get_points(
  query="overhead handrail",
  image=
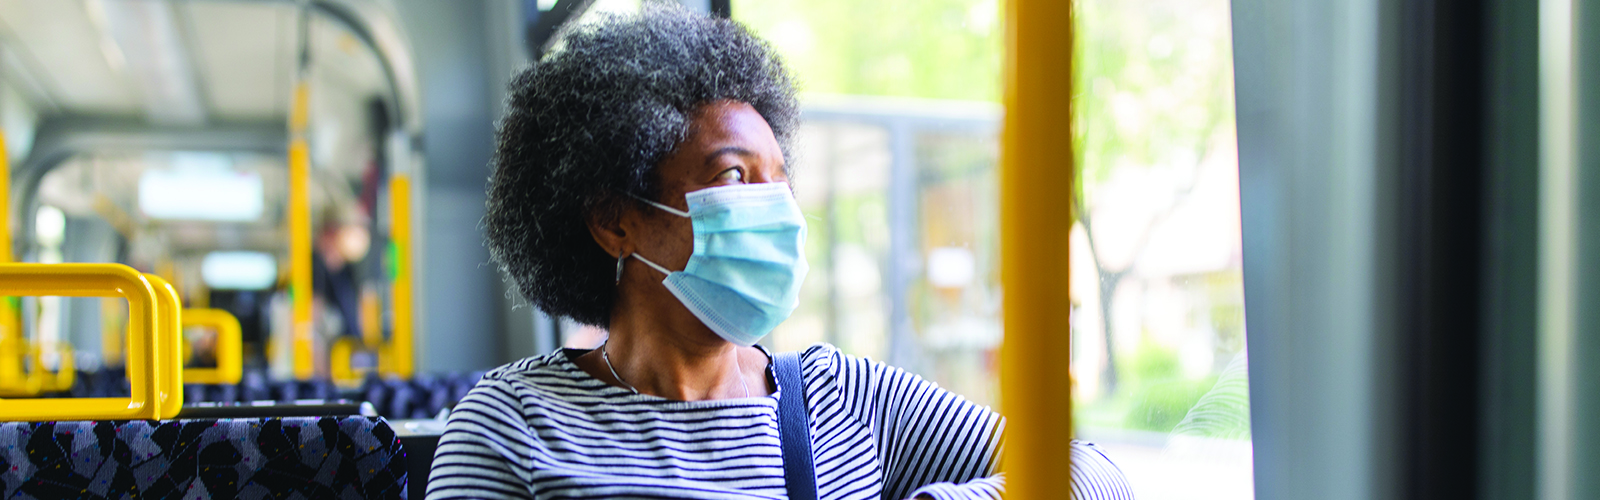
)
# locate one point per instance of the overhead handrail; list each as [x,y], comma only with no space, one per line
[149,384]
[229,347]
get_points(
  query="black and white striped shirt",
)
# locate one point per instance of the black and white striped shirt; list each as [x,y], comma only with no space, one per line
[544,428]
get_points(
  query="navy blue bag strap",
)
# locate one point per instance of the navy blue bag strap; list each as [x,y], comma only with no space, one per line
[794,429]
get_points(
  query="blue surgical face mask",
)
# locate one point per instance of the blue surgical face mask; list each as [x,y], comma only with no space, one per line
[743,278]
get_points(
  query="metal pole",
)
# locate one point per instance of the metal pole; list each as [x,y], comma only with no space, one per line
[904,251]
[300,209]
[1036,186]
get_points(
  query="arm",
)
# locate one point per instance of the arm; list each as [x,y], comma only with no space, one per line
[932,443]
[484,447]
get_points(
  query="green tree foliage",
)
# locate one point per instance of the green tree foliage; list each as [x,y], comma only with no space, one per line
[1155,84]
[936,49]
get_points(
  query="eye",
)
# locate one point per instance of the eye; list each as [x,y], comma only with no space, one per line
[731,175]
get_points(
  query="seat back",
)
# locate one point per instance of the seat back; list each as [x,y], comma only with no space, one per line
[318,457]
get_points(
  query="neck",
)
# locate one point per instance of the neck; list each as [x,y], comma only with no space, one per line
[680,360]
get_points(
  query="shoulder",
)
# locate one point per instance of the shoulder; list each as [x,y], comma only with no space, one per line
[823,360]
[819,358]
[854,382]
[546,376]
[1094,475]
[853,372]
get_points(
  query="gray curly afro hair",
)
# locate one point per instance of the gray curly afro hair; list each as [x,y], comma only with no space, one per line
[587,125]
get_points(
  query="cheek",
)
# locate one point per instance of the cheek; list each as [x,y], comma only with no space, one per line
[672,241]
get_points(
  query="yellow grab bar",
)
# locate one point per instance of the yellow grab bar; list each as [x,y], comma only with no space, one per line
[146,341]
[5,201]
[1036,189]
[12,345]
[300,234]
[112,329]
[14,349]
[169,315]
[229,347]
[396,357]
[339,368]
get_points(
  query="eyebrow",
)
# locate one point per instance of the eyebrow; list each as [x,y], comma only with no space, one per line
[728,150]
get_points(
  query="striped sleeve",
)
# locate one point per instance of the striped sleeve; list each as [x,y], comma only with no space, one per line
[476,457]
[1095,477]
[931,442]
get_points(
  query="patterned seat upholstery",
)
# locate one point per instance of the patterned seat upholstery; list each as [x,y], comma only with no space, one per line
[310,457]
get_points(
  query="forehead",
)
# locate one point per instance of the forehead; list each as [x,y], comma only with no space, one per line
[730,123]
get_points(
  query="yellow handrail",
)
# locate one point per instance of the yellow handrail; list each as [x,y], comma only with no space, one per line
[169,315]
[229,347]
[12,344]
[396,357]
[5,201]
[146,341]
[1036,190]
[112,331]
[300,233]
[339,368]
[14,380]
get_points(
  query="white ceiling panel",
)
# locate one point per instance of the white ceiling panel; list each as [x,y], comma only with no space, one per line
[158,60]
[344,62]
[72,57]
[246,56]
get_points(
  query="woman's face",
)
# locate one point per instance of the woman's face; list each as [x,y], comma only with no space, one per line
[728,143]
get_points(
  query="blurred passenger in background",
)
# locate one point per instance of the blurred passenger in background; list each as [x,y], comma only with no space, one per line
[342,243]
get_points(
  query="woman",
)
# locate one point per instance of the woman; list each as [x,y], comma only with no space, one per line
[641,184]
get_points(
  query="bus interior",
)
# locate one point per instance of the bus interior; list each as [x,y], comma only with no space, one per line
[1249,249]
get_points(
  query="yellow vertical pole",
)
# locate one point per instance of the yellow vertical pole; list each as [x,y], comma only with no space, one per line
[113,328]
[300,231]
[400,350]
[1036,189]
[12,349]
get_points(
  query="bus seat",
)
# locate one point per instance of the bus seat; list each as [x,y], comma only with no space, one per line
[318,457]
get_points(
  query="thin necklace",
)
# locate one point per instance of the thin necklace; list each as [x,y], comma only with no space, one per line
[607,357]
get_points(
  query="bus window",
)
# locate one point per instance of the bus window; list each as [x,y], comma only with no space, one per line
[1158,310]
[896,169]
[896,166]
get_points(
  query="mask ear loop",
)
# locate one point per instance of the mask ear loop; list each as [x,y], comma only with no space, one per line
[651,264]
[669,210]
[647,262]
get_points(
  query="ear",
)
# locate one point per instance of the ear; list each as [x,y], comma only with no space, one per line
[610,231]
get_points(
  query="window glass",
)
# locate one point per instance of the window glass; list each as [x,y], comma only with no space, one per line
[896,169]
[1158,349]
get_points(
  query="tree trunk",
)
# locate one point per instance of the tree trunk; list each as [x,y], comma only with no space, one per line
[1109,281]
